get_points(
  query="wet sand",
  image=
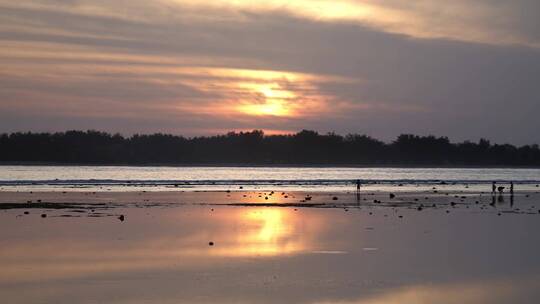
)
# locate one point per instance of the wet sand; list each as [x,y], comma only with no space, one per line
[237,247]
[523,202]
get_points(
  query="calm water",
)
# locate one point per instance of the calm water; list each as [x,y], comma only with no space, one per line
[270,255]
[117,178]
[472,252]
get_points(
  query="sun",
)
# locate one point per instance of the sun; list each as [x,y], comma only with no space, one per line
[272,100]
[273,108]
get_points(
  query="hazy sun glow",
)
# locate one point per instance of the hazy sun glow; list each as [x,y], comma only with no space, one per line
[266,232]
[273,108]
[271,99]
[261,92]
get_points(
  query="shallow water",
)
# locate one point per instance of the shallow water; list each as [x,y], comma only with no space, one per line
[270,255]
[118,178]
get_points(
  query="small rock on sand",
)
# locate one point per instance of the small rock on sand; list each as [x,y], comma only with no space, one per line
[122,218]
[210,243]
[43,215]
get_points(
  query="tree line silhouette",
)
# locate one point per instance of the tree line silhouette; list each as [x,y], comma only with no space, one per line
[256,148]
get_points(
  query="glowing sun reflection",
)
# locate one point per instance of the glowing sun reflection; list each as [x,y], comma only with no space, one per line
[266,232]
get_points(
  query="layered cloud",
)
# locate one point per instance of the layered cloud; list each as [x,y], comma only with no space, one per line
[464,69]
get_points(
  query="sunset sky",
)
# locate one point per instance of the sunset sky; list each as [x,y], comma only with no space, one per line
[463,69]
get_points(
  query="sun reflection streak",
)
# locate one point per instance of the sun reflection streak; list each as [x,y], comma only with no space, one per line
[268,232]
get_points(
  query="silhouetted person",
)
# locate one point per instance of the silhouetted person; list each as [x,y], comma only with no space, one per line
[511,188]
[500,189]
[357,185]
[493,187]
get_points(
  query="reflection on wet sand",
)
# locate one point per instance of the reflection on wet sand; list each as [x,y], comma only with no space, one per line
[493,292]
[266,232]
[269,255]
[181,239]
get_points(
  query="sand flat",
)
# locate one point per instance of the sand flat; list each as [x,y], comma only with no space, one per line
[338,251]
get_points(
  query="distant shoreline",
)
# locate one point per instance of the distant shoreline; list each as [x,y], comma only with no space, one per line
[257,165]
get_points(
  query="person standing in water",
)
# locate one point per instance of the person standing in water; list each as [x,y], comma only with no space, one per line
[511,188]
[358,192]
[493,187]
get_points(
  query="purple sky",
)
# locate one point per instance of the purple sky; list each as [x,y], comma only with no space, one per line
[463,69]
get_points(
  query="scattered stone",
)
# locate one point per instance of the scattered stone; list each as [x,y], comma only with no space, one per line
[335,198]
[210,243]
[392,195]
[26,212]
[43,215]
[122,218]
